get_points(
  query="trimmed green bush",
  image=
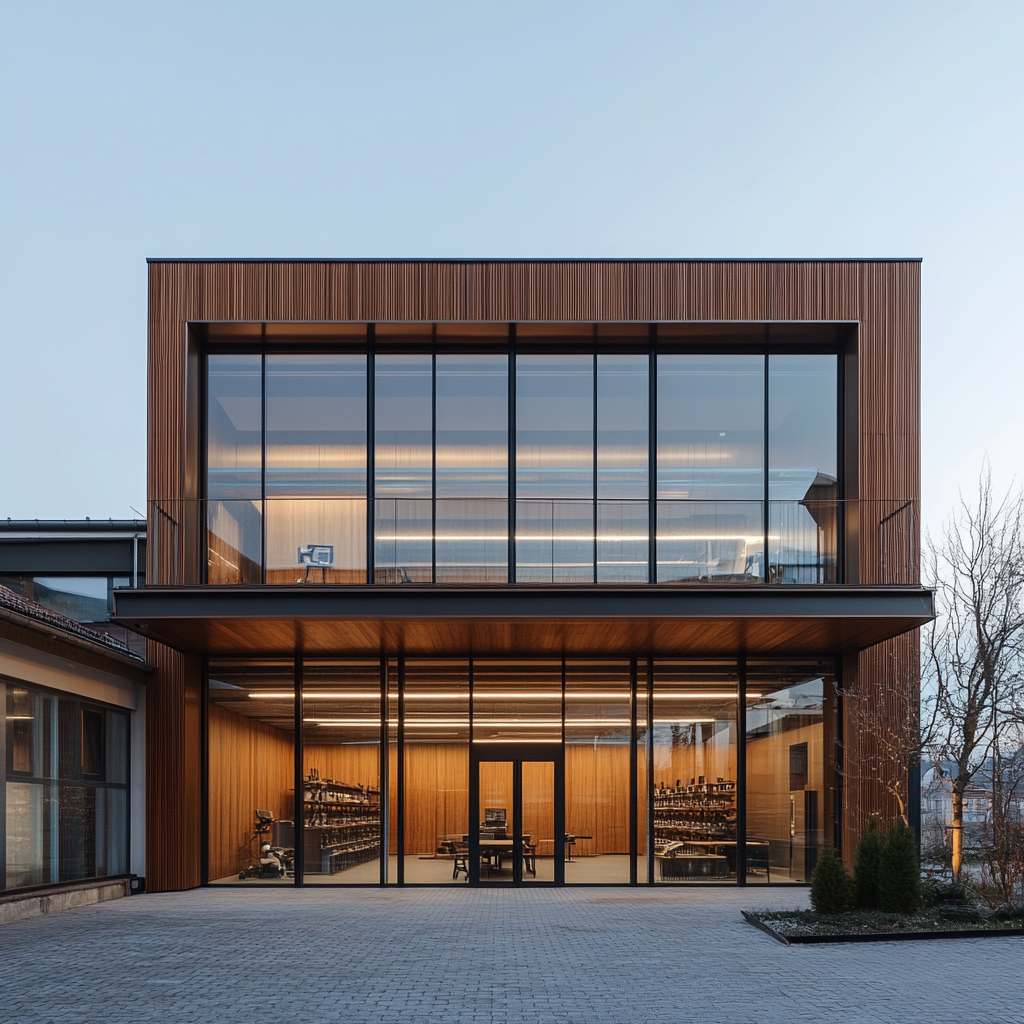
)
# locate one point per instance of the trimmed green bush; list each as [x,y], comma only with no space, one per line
[899,875]
[866,867]
[831,885]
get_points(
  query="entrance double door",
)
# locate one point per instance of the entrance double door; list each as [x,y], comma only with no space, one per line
[517,815]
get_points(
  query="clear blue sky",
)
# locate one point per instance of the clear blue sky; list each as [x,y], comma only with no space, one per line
[523,129]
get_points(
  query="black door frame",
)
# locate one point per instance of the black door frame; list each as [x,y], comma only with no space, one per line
[516,753]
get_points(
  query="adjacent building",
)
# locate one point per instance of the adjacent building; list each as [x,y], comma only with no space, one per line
[525,572]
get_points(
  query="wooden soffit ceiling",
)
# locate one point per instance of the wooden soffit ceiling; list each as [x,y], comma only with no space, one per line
[522,621]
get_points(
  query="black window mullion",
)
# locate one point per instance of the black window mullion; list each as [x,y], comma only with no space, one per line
[652,457]
[263,453]
[400,768]
[433,460]
[741,776]
[511,453]
[594,467]
[650,771]
[384,795]
[204,778]
[766,507]
[371,387]
[633,780]
[299,826]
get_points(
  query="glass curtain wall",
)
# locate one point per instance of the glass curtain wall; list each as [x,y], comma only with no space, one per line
[403,468]
[623,456]
[66,788]
[695,771]
[250,728]
[471,403]
[234,468]
[746,455]
[790,745]
[554,468]
[436,772]
[341,772]
[597,772]
[803,416]
[316,469]
[690,785]
[711,456]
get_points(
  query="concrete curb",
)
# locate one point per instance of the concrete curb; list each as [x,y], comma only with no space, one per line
[22,906]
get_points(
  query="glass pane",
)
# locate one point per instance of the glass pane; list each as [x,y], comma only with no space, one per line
[472,426]
[597,772]
[403,437]
[695,711]
[436,772]
[234,426]
[82,598]
[402,543]
[341,772]
[32,832]
[790,781]
[622,427]
[554,541]
[517,702]
[803,444]
[711,427]
[539,837]
[316,540]
[554,426]
[251,729]
[710,541]
[802,474]
[316,426]
[623,529]
[495,817]
[234,542]
[472,540]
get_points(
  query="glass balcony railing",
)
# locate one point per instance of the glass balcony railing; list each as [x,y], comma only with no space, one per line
[288,541]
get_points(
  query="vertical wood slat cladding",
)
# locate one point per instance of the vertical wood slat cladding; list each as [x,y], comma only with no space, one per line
[883,296]
[172,770]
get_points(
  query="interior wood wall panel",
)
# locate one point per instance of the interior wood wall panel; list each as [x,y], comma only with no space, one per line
[251,765]
[173,695]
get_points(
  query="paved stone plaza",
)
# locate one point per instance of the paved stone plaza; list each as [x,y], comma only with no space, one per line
[439,955]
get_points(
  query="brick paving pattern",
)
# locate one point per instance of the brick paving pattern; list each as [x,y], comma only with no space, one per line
[455,955]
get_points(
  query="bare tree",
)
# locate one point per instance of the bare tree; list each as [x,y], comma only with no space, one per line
[972,651]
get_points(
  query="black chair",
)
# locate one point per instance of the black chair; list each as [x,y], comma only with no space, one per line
[759,856]
[460,859]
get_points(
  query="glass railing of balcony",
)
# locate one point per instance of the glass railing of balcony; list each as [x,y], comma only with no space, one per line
[289,541]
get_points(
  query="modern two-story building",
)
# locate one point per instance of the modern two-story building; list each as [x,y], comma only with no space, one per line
[519,572]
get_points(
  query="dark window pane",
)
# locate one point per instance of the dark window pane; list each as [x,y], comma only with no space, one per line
[403,430]
[93,753]
[234,426]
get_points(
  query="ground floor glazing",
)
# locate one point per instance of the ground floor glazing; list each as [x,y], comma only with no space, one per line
[519,772]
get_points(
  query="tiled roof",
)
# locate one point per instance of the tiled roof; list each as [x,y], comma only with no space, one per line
[16,603]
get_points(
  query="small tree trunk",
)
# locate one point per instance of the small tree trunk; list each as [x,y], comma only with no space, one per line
[958,831]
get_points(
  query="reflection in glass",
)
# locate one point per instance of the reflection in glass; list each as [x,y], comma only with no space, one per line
[436,772]
[66,789]
[597,772]
[234,462]
[403,431]
[622,541]
[554,426]
[802,471]
[695,811]
[250,730]
[711,427]
[554,541]
[341,772]
[710,541]
[402,545]
[790,784]
[471,542]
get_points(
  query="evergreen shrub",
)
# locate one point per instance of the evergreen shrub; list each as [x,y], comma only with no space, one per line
[866,867]
[899,875]
[832,889]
